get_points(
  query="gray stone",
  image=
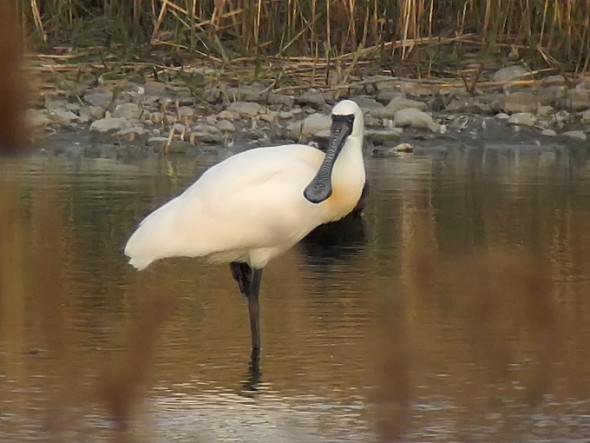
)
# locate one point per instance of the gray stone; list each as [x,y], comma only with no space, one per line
[576,99]
[585,117]
[246,93]
[459,104]
[385,96]
[99,97]
[157,143]
[520,102]
[502,116]
[415,118]
[417,89]
[131,133]
[545,110]
[284,115]
[310,126]
[156,117]
[211,120]
[460,122]
[474,105]
[90,113]
[548,132]
[152,87]
[62,115]
[127,111]
[179,91]
[367,104]
[179,129]
[269,116]
[522,119]
[248,109]
[202,127]
[185,114]
[584,81]
[37,118]
[371,121]
[311,98]
[383,82]
[213,95]
[403,148]
[109,124]
[509,73]
[206,138]
[397,104]
[550,94]
[562,118]
[576,135]
[383,135]
[227,115]
[180,147]
[226,126]
[281,99]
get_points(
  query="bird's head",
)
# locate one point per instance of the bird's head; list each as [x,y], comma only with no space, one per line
[347,115]
[347,122]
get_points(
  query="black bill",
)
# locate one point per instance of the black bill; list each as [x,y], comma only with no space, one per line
[320,188]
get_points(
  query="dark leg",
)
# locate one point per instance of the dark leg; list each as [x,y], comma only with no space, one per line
[249,283]
[254,308]
[241,273]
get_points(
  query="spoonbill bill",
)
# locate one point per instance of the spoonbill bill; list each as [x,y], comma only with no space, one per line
[257,204]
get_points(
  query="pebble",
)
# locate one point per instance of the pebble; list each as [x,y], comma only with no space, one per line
[127,111]
[62,115]
[109,124]
[509,73]
[226,126]
[520,102]
[311,125]
[416,119]
[548,132]
[37,118]
[576,135]
[185,114]
[384,135]
[101,98]
[311,98]
[248,109]
[522,119]
[396,104]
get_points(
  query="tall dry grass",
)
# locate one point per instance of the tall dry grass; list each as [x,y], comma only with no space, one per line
[314,28]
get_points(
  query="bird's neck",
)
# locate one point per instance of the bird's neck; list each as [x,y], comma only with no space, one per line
[349,166]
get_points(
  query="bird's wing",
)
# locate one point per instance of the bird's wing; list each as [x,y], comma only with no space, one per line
[252,200]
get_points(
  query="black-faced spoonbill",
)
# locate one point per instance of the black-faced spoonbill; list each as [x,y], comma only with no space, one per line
[257,204]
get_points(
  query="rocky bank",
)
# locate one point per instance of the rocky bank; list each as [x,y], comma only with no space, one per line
[154,117]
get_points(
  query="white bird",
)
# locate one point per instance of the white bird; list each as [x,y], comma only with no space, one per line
[257,204]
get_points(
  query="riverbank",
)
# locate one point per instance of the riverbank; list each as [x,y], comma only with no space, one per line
[201,110]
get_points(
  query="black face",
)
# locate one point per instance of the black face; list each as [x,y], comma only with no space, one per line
[320,187]
[340,122]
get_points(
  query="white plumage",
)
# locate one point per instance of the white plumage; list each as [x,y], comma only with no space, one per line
[251,207]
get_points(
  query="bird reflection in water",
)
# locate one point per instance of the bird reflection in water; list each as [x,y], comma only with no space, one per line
[338,239]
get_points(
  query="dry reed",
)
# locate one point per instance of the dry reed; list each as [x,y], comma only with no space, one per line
[316,28]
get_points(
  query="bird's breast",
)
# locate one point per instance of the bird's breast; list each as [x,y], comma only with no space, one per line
[342,201]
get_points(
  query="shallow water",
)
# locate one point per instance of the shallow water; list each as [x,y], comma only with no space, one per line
[456,309]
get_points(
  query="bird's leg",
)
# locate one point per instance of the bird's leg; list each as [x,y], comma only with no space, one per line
[241,273]
[254,308]
[249,283]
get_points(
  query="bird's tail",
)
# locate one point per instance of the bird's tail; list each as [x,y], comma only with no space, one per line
[154,237]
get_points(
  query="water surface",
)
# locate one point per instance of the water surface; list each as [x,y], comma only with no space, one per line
[456,309]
